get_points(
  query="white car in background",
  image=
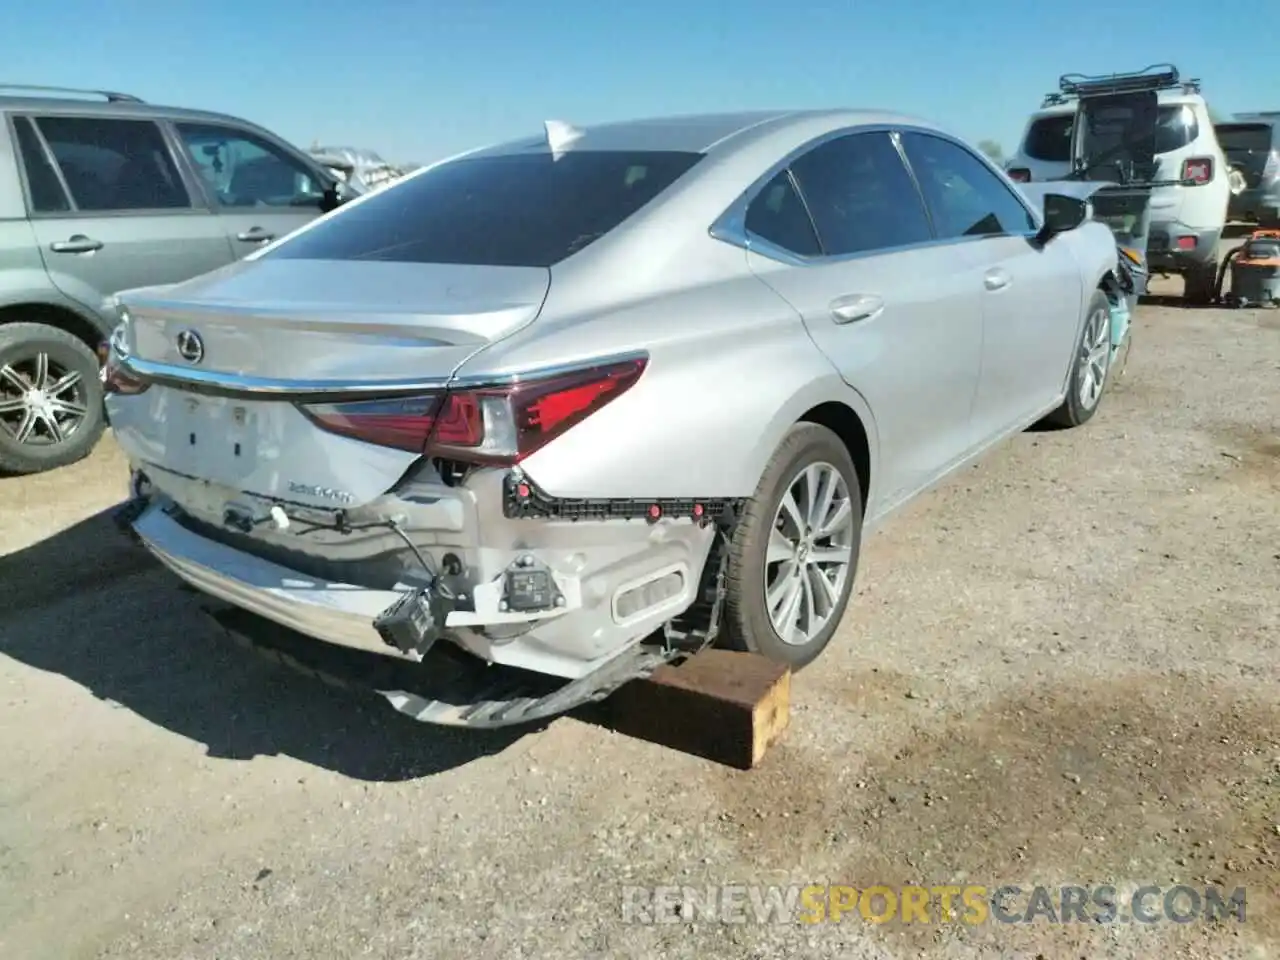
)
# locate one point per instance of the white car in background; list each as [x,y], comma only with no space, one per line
[1187,219]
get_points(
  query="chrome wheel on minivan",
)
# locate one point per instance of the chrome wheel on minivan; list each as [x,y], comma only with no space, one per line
[50,398]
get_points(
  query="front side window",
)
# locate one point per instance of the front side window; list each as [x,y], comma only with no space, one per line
[516,210]
[112,165]
[243,171]
[964,196]
[777,215]
[860,195]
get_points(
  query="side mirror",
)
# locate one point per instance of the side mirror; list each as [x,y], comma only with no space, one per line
[1061,214]
[334,196]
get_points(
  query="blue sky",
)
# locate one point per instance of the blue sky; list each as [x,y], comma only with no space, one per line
[420,80]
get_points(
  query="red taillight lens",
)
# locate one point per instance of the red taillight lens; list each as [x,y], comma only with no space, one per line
[119,380]
[1199,170]
[403,423]
[485,425]
[1019,174]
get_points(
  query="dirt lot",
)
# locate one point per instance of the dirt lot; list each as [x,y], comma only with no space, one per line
[1062,667]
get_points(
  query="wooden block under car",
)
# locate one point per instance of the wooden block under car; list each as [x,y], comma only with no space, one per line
[722,705]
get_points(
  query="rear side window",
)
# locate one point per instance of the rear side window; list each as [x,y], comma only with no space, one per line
[47,195]
[1176,126]
[777,215]
[113,165]
[1049,139]
[861,195]
[517,210]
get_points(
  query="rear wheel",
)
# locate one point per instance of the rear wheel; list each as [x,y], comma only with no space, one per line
[1200,282]
[50,398]
[795,553]
[1091,368]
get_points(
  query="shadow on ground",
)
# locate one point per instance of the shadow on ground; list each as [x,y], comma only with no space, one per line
[91,606]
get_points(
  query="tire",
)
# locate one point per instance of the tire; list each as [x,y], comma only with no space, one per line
[1093,361]
[808,452]
[28,440]
[1199,283]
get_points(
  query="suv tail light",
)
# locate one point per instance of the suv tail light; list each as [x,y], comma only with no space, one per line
[1199,170]
[1019,174]
[1273,164]
[496,425]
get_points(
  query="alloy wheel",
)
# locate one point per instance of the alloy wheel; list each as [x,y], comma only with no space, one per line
[42,403]
[809,554]
[1095,348]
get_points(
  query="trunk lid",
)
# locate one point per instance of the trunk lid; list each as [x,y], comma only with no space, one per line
[302,328]
[315,320]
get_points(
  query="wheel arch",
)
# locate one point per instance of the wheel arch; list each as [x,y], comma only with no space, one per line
[54,315]
[829,402]
[845,423]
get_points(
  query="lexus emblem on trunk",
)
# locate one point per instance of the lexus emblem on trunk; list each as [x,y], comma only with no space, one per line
[190,346]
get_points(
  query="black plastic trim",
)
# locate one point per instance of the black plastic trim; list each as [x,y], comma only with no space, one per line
[522,499]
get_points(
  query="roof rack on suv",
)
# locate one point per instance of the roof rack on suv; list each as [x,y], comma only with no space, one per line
[1159,76]
[110,95]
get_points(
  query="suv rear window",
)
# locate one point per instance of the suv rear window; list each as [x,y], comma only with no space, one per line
[1245,137]
[517,210]
[1049,139]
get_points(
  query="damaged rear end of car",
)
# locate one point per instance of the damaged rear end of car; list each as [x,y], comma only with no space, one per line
[315,441]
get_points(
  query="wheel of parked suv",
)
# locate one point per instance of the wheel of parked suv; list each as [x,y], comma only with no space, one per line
[1199,283]
[1091,367]
[795,553]
[50,398]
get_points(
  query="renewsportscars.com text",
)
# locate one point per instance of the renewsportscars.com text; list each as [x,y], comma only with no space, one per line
[969,904]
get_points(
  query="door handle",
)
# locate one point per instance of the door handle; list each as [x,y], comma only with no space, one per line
[78,243]
[255,235]
[857,307]
[996,279]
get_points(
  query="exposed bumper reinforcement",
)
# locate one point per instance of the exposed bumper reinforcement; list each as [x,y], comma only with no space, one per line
[449,687]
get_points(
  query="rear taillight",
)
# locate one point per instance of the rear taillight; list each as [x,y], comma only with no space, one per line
[120,380]
[1199,170]
[1273,164]
[1019,174]
[498,424]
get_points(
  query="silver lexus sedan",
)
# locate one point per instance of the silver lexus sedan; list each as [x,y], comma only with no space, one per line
[589,401]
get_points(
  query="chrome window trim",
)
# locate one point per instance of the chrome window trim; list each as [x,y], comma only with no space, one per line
[730,226]
[271,388]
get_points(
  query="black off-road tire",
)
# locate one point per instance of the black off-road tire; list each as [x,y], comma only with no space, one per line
[20,341]
[1073,413]
[746,625]
[1199,283]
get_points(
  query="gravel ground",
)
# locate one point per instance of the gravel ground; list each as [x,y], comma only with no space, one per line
[1060,668]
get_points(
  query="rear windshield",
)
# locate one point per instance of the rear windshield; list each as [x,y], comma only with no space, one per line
[516,210]
[1109,126]
[1245,137]
[1049,139]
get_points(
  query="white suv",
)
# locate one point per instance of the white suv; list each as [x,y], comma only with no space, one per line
[1186,219]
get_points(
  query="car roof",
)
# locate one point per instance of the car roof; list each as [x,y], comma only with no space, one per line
[125,109]
[703,133]
[1164,97]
